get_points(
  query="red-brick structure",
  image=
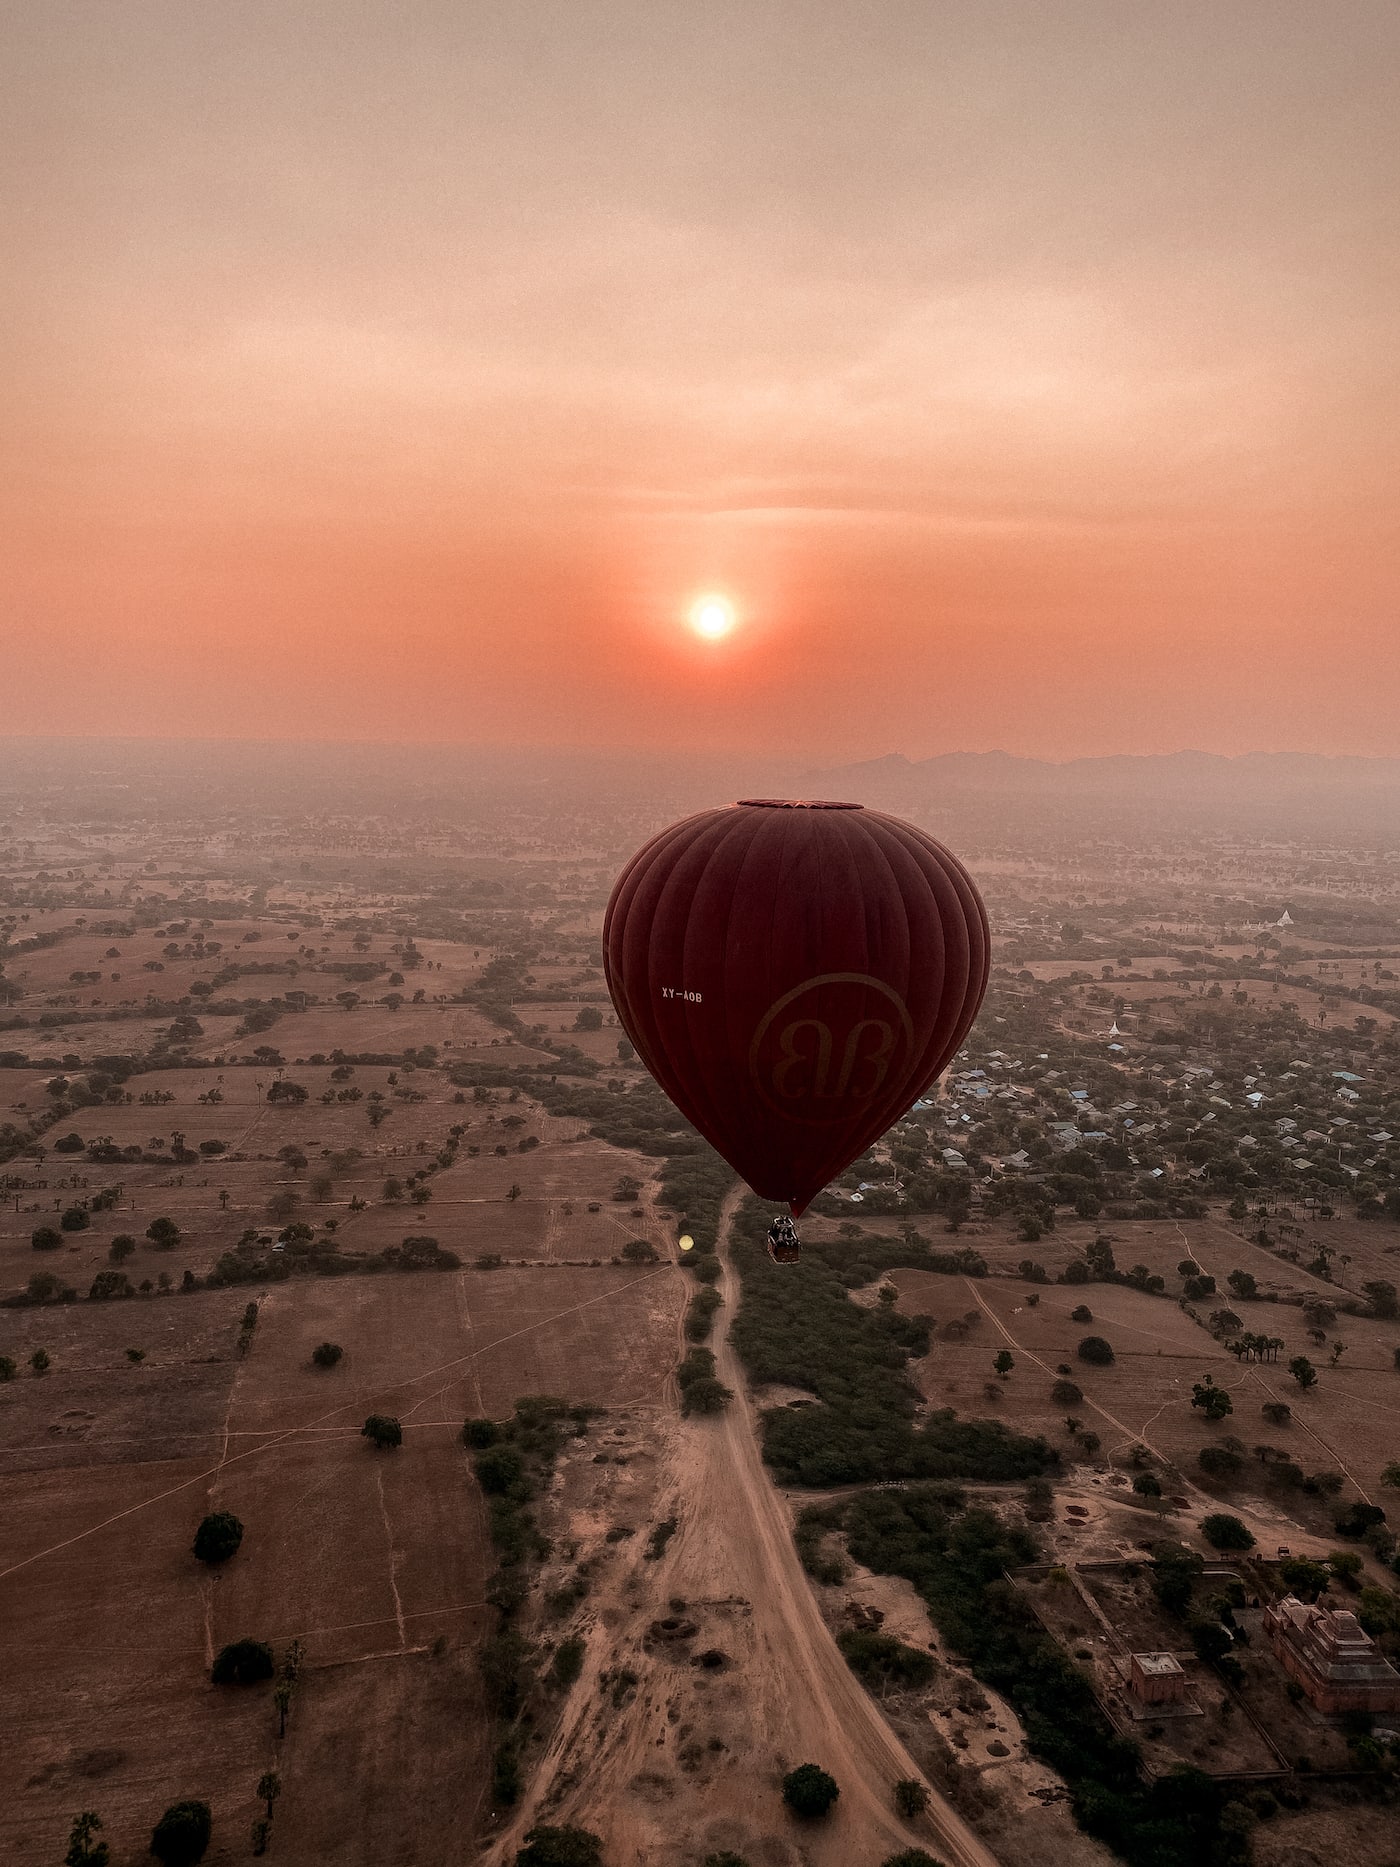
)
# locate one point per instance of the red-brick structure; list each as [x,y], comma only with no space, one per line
[1157,1678]
[1332,1657]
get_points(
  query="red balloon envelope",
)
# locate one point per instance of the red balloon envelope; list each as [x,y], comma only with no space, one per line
[794,975]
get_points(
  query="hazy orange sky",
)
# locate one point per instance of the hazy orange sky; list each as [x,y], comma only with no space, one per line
[1026,374]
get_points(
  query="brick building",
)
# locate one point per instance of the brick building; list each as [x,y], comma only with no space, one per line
[1331,1656]
[1157,1678]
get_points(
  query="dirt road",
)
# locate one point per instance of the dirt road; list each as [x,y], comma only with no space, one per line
[787,1698]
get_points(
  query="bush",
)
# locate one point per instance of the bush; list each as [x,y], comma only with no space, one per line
[809,1791]
[76,1219]
[1357,1519]
[1219,1461]
[639,1251]
[911,1797]
[121,1247]
[500,1471]
[164,1234]
[480,1433]
[1222,1531]
[705,1395]
[181,1836]
[382,1431]
[568,1661]
[560,1847]
[242,1662]
[1081,1313]
[218,1537]
[45,1238]
[109,1284]
[1095,1350]
[910,1857]
[1066,1394]
[327,1354]
[879,1660]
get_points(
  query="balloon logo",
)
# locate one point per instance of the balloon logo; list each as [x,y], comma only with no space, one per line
[795,976]
[817,1048]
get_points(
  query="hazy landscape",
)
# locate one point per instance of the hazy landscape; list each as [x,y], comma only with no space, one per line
[449,455]
[279,1076]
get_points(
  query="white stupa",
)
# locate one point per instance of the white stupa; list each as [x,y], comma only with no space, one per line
[1284,920]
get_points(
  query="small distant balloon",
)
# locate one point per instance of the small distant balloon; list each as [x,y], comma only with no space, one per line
[687,1242]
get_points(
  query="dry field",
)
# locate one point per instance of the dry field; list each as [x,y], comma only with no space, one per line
[375,1561]
[1349,1422]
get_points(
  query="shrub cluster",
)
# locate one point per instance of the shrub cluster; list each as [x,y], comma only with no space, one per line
[957,1557]
[805,1332]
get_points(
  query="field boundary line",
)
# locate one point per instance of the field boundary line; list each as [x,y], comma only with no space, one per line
[291,1432]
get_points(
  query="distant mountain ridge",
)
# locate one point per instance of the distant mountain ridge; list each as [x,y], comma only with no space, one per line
[1195,777]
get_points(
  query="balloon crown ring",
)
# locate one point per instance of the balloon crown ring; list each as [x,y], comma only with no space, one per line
[793,803]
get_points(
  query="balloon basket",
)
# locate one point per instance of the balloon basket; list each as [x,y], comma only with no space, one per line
[784,1246]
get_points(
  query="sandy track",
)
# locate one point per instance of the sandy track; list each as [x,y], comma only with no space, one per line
[790,1699]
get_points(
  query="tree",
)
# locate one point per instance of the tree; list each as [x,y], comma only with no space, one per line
[121,1247]
[1004,1363]
[705,1395]
[109,1284]
[1222,1531]
[164,1234]
[269,1789]
[1219,1462]
[76,1219]
[910,1857]
[1304,1578]
[83,1851]
[1384,1302]
[1081,1313]
[1066,1394]
[41,1361]
[809,1791]
[639,1251]
[1277,1412]
[1213,1401]
[383,1431]
[181,1836]
[1244,1284]
[327,1354]
[589,1019]
[242,1662]
[1147,1484]
[1094,1349]
[45,1238]
[910,1797]
[560,1847]
[217,1537]
[7,1368]
[1303,1372]
[1357,1519]
[1211,1641]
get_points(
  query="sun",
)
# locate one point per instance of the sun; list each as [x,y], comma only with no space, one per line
[712,617]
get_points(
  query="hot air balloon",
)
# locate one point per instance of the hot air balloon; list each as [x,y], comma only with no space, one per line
[794,975]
